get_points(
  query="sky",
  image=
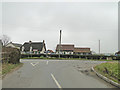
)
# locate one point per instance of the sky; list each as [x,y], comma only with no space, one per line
[82,23]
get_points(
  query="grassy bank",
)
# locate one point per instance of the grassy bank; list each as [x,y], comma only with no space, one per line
[7,67]
[110,69]
[54,58]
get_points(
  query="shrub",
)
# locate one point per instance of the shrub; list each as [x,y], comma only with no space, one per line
[14,57]
[10,55]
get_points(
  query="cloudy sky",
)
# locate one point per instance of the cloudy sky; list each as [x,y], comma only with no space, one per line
[82,23]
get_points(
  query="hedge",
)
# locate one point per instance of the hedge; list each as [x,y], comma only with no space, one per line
[10,55]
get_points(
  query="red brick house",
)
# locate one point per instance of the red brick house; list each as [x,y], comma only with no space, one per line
[49,51]
[70,49]
[65,49]
[82,51]
[117,53]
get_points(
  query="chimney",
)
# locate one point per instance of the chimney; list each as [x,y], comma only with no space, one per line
[43,41]
[30,41]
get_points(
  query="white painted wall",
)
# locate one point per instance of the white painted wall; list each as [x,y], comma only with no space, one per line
[43,50]
[30,49]
[23,48]
[10,45]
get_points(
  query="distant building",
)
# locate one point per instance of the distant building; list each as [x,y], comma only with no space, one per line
[49,51]
[65,49]
[82,51]
[117,53]
[14,45]
[33,47]
[70,49]
[93,53]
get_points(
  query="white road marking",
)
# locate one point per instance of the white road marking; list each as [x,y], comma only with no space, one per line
[47,62]
[56,81]
[33,64]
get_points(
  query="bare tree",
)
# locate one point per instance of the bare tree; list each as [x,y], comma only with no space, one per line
[5,40]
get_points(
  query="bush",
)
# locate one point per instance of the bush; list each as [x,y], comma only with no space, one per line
[14,57]
[10,55]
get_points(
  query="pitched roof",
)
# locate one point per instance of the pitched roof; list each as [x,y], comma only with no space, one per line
[81,50]
[118,52]
[65,47]
[50,50]
[35,45]
[17,45]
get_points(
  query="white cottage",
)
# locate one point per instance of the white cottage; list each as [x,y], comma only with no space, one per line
[14,45]
[33,47]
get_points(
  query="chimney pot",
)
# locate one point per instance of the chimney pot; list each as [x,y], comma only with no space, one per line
[30,42]
[43,41]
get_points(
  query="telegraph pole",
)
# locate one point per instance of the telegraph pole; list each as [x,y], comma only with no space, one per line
[99,46]
[60,43]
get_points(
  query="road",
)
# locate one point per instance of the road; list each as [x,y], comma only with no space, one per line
[37,73]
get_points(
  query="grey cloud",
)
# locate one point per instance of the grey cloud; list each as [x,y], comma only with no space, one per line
[82,23]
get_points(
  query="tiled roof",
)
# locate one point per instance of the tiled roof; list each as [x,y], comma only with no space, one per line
[65,47]
[81,50]
[50,51]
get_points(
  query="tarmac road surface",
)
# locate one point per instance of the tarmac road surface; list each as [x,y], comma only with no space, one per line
[37,73]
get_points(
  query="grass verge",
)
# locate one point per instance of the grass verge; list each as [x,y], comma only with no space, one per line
[7,68]
[110,70]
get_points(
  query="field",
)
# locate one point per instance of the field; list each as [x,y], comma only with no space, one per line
[110,69]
